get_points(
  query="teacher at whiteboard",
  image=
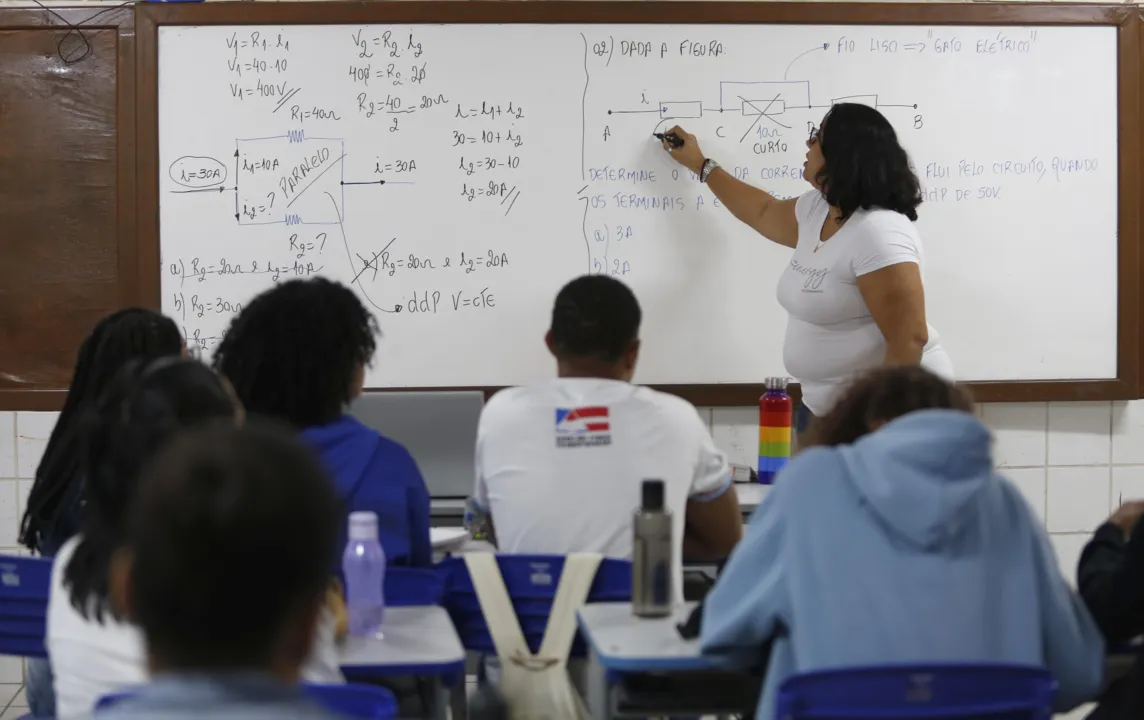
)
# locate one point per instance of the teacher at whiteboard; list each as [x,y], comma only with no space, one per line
[853,287]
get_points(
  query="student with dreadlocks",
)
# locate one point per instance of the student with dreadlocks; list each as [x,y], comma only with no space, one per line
[55,501]
[298,353]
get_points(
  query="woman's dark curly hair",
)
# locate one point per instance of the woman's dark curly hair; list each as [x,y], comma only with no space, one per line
[865,166]
[881,396]
[292,352]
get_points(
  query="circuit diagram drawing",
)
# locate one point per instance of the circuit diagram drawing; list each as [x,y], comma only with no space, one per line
[765,102]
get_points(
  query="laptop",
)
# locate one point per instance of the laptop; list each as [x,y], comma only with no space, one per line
[438,428]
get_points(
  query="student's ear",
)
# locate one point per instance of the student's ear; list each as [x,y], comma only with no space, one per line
[358,382]
[632,356]
[548,342]
[297,640]
[119,582]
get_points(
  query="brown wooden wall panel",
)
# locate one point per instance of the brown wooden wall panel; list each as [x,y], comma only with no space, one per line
[67,184]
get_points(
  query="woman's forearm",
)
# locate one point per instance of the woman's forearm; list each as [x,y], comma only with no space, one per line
[746,202]
[903,352]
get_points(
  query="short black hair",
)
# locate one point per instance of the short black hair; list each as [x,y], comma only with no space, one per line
[595,317]
[145,406]
[864,164]
[129,334]
[292,352]
[231,538]
[881,396]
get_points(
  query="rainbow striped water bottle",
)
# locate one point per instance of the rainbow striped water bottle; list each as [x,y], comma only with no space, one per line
[774,430]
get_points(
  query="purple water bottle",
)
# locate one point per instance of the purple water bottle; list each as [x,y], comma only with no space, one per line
[363,564]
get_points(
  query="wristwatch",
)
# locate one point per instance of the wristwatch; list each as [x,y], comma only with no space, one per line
[709,167]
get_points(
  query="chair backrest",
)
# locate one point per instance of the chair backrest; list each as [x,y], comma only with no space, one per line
[531,581]
[25,583]
[413,586]
[367,702]
[964,691]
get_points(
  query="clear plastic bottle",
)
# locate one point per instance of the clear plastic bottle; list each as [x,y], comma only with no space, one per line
[363,565]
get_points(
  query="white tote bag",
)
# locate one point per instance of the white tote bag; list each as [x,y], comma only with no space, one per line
[536,687]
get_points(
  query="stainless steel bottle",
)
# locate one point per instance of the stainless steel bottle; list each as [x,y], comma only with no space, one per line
[652,581]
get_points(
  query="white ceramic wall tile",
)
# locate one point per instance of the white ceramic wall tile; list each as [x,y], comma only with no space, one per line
[23,487]
[1068,549]
[7,444]
[1078,498]
[1128,433]
[32,432]
[736,432]
[1079,433]
[9,515]
[1020,432]
[1031,483]
[1127,484]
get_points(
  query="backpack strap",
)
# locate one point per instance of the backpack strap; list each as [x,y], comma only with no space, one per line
[496,606]
[575,583]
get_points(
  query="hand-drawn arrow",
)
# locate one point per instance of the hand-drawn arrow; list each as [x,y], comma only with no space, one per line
[792,62]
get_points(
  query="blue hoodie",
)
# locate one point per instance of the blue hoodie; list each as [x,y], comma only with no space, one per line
[906,547]
[375,473]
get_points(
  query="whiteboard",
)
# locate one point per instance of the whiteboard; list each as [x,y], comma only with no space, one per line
[458,176]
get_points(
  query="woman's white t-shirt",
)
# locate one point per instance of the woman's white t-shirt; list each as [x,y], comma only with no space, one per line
[831,335]
[92,659]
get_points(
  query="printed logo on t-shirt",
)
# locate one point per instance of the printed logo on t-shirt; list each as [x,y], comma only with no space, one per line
[811,277]
[583,427]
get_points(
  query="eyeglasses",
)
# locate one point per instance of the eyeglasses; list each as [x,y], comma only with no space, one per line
[815,134]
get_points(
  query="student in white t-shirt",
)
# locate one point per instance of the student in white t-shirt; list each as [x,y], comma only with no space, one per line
[853,287]
[560,464]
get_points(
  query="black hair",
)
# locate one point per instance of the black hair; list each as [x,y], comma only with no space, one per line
[864,165]
[595,317]
[881,396]
[292,352]
[232,539]
[134,333]
[142,409]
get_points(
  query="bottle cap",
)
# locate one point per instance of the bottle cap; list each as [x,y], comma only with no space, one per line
[651,495]
[363,525]
[776,383]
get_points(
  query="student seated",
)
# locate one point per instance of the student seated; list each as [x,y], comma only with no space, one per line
[56,500]
[560,464]
[895,541]
[93,649]
[225,571]
[297,353]
[1110,577]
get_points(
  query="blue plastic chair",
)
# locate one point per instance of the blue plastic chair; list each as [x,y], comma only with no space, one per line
[920,692]
[531,581]
[405,587]
[367,702]
[24,587]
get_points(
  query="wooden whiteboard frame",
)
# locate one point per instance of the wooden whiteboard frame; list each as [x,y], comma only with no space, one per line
[149,17]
